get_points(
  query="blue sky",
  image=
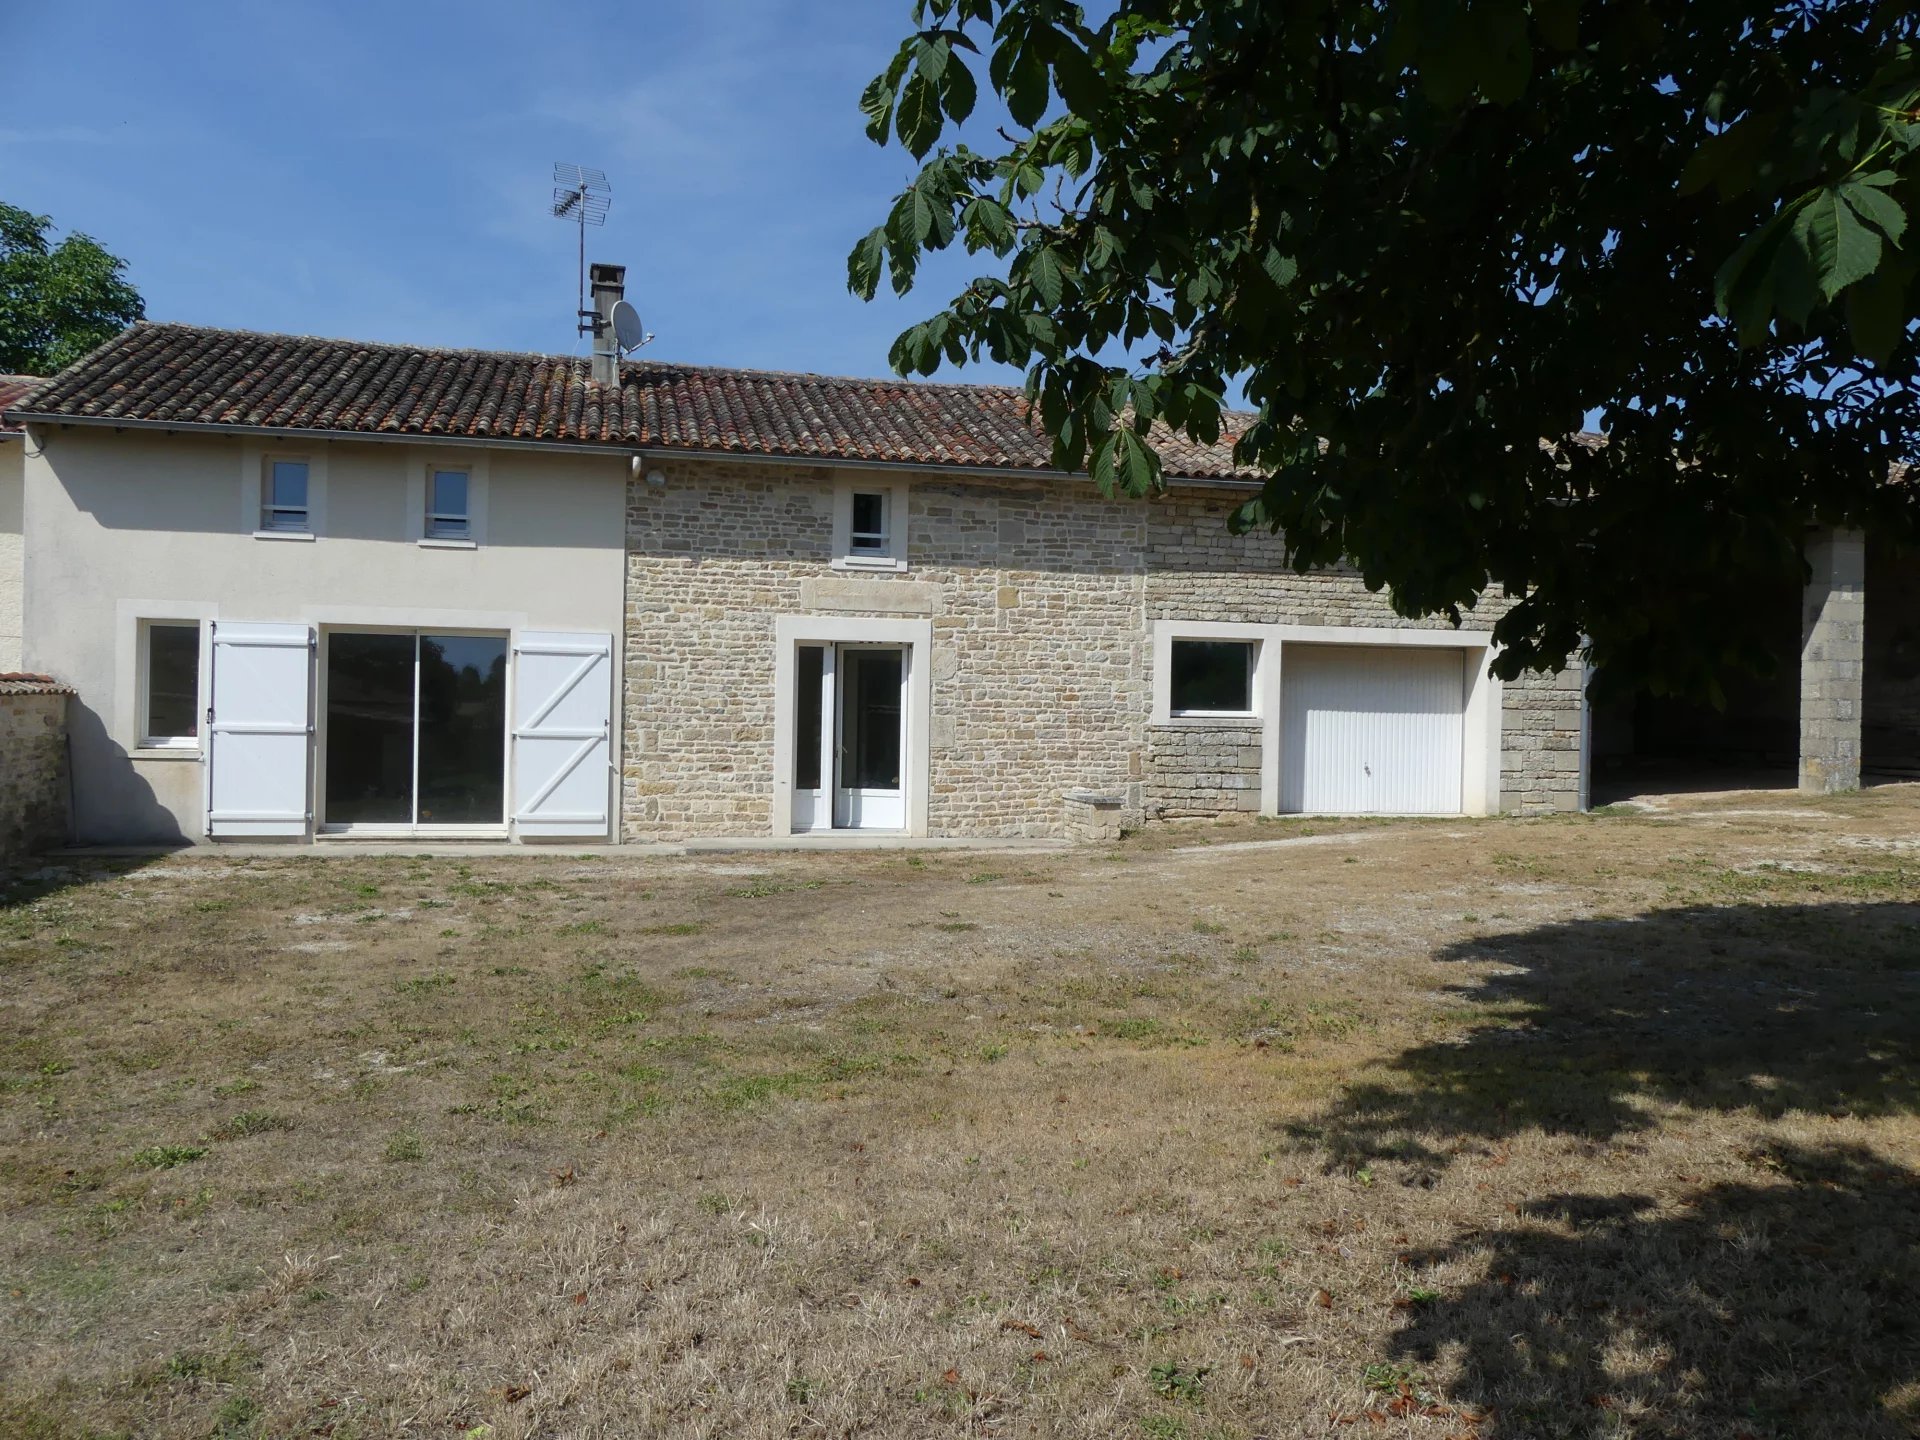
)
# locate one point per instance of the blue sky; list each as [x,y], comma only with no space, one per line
[383,171]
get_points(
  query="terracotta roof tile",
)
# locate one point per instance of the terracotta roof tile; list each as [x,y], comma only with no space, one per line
[17,682]
[12,388]
[189,375]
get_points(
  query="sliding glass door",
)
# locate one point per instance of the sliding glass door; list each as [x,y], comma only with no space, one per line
[416,730]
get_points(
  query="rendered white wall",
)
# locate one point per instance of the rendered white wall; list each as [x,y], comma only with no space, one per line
[131,525]
[12,552]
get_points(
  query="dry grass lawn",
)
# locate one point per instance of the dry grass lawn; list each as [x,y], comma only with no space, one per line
[1574,1127]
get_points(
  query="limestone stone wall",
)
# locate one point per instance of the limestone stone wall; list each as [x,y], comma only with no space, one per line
[1041,596]
[1540,723]
[1833,656]
[33,772]
[1095,819]
[1211,769]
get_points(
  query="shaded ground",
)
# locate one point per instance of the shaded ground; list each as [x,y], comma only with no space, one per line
[1567,1127]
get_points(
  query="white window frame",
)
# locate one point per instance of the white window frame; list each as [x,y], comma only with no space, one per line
[449,524]
[144,692]
[1263,719]
[896,494]
[478,472]
[270,512]
[256,460]
[132,618]
[1254,648]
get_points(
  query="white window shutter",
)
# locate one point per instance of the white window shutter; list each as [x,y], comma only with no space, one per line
[562,734]
[259,730]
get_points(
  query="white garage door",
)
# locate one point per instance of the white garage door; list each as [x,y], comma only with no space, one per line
[1371,729]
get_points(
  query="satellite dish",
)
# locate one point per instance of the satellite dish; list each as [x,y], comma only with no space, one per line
[628,333]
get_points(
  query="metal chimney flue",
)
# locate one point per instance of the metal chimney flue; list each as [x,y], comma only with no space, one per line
[609,287]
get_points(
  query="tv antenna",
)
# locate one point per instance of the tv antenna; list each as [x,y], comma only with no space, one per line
[581,194]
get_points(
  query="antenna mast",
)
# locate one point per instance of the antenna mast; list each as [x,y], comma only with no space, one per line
[581,194]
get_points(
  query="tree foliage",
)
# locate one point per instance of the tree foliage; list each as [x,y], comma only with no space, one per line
[1427,237]
[57,301]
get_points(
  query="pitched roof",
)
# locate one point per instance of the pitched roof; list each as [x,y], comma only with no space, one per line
[188,375]
[12,387]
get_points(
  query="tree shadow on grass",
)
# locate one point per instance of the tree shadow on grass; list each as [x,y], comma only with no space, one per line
[25,881]
[1772,1008]
[1787,1304]
[1777,1308]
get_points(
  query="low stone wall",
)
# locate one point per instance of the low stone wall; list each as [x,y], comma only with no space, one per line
[33,767]
[1094,818]
[1203,769]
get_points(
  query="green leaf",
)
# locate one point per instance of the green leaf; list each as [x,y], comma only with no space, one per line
[1102,468]
[958,91]
[1506,57]
[1203,417]
[1075,77]
[863,264]
[989,225]
[1044,272]
[909,222]
[930,58]
[1730,160]
[900,354]
[1026,88]
[1558,22]
[918,121]
[876,103]
[1137,464]
[1839,249]
[1870,201]
[1877,314]
[1448,72]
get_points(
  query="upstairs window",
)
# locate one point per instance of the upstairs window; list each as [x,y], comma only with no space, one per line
[170,685]
[283,496]
[868,535]
[448,515]
[869,526]
[1211,677]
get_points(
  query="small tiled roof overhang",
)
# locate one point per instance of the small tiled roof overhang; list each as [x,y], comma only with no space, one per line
[187,376]
[16,682]
[12,389]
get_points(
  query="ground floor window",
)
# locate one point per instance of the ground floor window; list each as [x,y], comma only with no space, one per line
[170,688]
[1212,677]
[415,729]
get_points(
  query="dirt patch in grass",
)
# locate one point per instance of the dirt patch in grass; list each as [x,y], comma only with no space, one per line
[1576,1127]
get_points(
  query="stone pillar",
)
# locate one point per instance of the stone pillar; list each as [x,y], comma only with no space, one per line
[1833,642]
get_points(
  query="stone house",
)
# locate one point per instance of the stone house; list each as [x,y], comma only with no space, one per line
[307,588]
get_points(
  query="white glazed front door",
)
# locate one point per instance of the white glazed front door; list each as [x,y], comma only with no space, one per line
[871,718]
[850,737]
